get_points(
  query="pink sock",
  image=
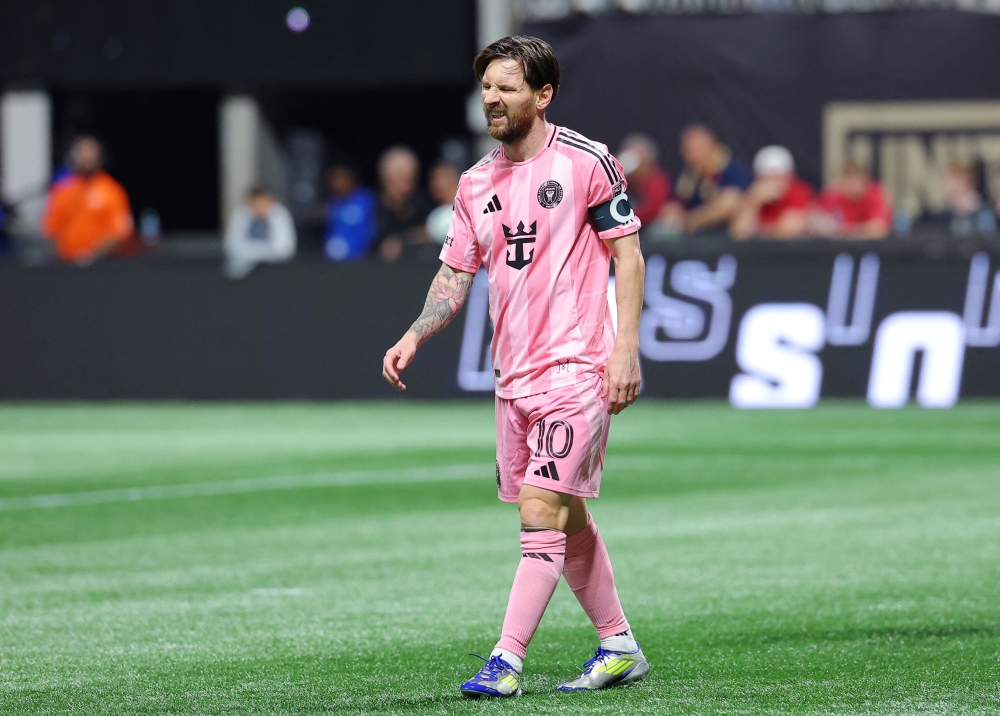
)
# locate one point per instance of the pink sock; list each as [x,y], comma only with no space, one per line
[588,573]
[542,556]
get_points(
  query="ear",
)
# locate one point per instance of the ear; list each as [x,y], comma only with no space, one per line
[544,97]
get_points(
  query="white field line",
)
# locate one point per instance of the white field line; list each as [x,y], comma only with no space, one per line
[477,471]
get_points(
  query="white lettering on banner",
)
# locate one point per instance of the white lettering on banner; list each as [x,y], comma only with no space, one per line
[838,332]
[940,336]
[776,347]
[976,334]
[475,370]
[680,320]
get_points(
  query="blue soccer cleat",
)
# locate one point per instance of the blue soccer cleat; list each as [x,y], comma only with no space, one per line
[497,679]
[609,668]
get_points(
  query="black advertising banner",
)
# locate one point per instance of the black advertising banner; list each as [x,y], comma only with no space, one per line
[760,325]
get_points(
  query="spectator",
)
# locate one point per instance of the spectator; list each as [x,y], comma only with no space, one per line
[967,207]
[443,185]
[648,183]
[777,204]
[350,216]
[709,191]
[259,231]
[402,207]
[996,196]
[88,212]
[855,207]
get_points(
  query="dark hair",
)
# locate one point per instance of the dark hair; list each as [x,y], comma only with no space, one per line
[537,60]
[258,191]
[703,129]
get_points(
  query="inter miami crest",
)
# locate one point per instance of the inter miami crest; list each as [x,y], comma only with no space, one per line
[550,193]
[518,239]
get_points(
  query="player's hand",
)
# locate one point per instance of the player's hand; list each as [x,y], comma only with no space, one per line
[621,377]
[397,358]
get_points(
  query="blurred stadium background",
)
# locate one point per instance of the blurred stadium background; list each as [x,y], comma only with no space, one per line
[211,502]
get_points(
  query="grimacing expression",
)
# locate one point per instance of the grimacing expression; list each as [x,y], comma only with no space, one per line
[508,101]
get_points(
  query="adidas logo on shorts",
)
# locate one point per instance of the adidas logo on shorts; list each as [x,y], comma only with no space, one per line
[548,471]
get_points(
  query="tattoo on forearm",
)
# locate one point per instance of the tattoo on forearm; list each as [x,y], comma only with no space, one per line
[444,299]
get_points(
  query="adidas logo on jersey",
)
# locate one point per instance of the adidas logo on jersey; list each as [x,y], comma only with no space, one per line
[548,471]
[494,205]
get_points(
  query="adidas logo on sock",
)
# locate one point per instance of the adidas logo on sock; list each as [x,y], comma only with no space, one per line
[537,555]
[494,205]
[548,471]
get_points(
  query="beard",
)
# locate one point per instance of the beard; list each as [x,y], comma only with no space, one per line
[517,127]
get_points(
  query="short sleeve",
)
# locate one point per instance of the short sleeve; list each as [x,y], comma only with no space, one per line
[461,249]
[607,200]
[800,196]
[736,175]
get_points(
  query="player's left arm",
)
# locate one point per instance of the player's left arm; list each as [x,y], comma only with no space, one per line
[622,375]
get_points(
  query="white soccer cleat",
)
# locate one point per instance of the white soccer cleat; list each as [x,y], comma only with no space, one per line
[609,668]
[497,679]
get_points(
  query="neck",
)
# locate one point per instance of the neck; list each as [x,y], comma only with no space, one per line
[531,144]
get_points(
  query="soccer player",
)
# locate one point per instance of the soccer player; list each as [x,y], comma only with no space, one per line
[545,213]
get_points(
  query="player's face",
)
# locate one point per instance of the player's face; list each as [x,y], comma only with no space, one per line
[508,101]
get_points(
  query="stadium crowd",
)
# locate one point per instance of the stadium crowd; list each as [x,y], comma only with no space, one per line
[716,192]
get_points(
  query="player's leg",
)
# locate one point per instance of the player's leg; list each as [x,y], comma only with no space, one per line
[563,440]
[500,676]
[618,660]
[588,570]
[543,546]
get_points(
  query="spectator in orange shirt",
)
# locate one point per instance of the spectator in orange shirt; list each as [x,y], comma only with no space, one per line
[88,212]
[855,207]
[777,204]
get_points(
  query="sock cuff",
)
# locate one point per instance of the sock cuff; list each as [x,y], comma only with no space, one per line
[546,541]
[583,540]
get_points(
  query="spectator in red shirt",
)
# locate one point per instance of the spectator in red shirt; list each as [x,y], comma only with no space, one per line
[648,182]
[777,204]
[855,207]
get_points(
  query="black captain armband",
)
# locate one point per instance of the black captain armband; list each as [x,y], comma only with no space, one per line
[613,213]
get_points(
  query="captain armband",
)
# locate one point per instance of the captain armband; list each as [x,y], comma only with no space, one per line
[613,213]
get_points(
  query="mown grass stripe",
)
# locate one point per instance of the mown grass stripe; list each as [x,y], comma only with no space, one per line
[474,471]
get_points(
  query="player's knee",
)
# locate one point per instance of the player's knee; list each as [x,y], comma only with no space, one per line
[538,513]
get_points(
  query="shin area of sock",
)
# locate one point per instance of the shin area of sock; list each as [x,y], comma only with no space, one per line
[589,574]
[542,556]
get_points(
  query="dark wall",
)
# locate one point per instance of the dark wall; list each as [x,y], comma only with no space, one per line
[234,42]
[761,79]
[162,146]
[359,123]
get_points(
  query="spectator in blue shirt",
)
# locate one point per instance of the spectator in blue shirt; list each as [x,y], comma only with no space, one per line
[709,192]
[350,217]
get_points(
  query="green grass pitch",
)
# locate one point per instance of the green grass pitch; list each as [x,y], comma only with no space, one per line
[345,558]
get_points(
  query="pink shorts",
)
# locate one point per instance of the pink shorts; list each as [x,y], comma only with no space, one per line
[554,440]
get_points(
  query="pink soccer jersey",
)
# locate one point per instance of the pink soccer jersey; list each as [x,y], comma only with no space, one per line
[537,227]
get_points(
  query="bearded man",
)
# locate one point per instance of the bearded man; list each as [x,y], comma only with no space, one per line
[545,213]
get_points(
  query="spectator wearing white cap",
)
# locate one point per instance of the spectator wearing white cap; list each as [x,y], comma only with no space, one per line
[777,204]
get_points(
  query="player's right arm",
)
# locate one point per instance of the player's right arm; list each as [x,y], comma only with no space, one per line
[445,299]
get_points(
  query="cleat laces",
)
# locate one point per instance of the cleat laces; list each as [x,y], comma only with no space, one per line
[600,655]
[492,669]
